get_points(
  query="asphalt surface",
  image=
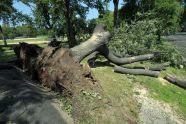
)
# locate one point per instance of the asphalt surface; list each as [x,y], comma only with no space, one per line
[23,102]
[179,40]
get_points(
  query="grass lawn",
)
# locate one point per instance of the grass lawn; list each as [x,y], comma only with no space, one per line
[37,40]
[8,53]
[163,90]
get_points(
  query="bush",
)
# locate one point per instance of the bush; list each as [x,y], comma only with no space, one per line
[26,31]
[134,39]
[168,53]
[141,38]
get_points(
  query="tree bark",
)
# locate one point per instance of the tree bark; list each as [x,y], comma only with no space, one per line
[3,37]
[92,59]
[98,39]
[70,26]
[177,81]
[157,67]
[116,2]
[121,61]
[122,70]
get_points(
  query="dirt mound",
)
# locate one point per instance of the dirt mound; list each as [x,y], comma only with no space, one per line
[58,71]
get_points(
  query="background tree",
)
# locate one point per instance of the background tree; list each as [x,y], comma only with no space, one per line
[6,8]
[116,2]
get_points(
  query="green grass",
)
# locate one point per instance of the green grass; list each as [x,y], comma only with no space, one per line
[165,91]
[36,40]
[117,103]
[168,93]
[118,88]
[6,53]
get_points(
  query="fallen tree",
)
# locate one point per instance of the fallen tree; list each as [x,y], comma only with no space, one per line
[145,72]
[176,80]
[59,68]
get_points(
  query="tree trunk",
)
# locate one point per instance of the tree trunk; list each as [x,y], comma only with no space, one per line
[3,37]
[136,71]
[70,26]
[116,2]
[177,81]
[121,61]
[98,39]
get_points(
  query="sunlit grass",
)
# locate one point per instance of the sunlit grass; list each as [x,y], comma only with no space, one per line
[37,40]
[165,91]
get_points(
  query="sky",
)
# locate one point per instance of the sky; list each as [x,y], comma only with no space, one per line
[93,13]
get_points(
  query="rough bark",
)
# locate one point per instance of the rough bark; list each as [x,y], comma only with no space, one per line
[177,81]
[92,59]
[121,61]
[70,28]
[98,39]
[156,67]
[122,70]
[116,2]
[3,37]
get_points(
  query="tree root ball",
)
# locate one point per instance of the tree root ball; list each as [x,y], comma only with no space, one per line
[58,71]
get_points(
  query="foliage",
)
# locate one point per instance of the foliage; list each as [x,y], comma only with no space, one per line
[141,38]
[19,31]
[137,38]
[167,12]
[168,53]
[107,19]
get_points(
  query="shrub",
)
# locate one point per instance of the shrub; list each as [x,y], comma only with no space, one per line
[141,38]
[134,39]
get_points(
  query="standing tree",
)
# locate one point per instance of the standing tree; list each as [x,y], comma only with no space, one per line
[6,8]
[116,2]
[55,15]
[68,12]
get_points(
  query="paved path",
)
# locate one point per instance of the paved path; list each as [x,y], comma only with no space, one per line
[23,102]
[179,40]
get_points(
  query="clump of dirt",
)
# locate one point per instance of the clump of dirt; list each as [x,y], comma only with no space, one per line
[57,70]
[153,111]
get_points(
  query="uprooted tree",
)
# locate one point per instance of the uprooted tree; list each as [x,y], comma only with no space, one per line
[59,68]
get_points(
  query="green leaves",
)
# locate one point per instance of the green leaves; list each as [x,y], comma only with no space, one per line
[141,38]
[134,39]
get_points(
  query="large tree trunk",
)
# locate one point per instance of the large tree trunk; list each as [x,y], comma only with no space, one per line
[116,2]
[122,70]
[3,37]
[177,81]
[70,26]
[121,61]
[98,39]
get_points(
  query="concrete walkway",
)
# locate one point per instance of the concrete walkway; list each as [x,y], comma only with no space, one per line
[23,102]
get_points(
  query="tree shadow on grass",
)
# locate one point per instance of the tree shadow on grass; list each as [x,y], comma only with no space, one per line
[23,102]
